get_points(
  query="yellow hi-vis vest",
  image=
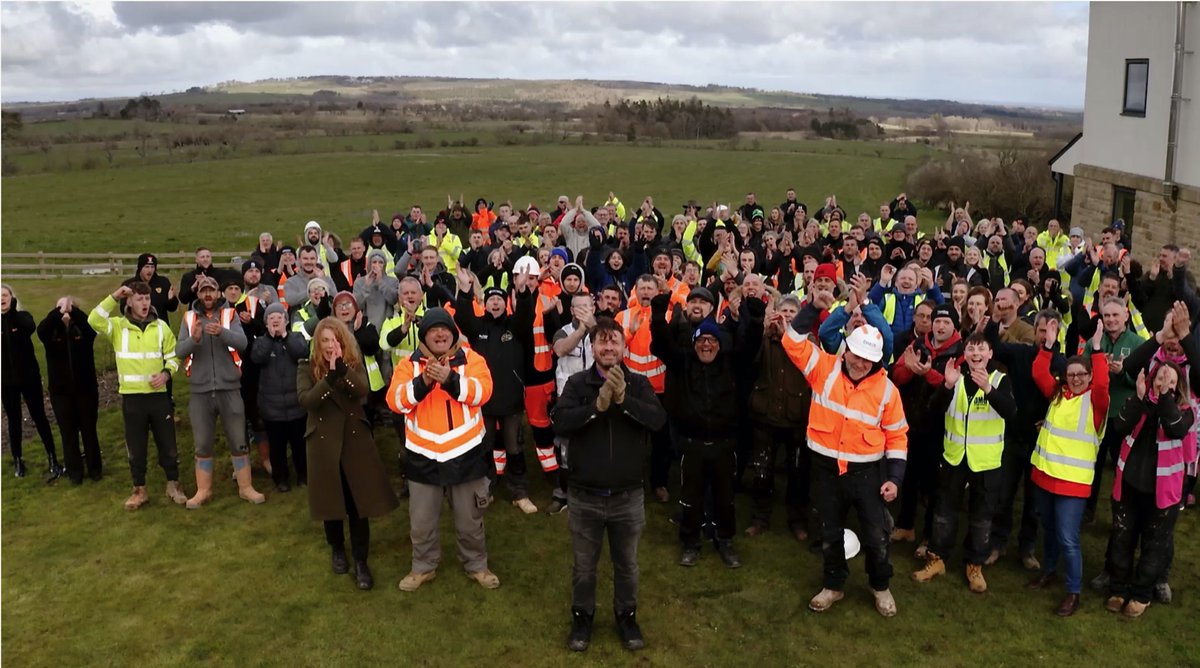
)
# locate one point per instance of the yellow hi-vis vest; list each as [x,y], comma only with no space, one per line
[889,305]
[140,353]
[1068,441]
[974,428]
[409,343]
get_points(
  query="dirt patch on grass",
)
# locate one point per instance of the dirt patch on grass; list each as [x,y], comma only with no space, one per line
[108,386]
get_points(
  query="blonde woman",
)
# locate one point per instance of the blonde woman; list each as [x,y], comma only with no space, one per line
[346,477]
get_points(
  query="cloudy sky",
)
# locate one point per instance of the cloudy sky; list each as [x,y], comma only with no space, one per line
[1026,53]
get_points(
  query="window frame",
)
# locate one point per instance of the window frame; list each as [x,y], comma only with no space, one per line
[1125,109]
[1118,192]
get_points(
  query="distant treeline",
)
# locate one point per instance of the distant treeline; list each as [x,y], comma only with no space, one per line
[664,119]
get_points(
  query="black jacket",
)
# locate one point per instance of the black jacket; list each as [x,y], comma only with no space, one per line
[607,448]
[160,299]
[187,295]
[1017,360]
[499,340]
[278,359]
[20,365]
[70,356]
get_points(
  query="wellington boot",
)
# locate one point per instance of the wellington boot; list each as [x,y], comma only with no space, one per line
[241,467]
[204,477]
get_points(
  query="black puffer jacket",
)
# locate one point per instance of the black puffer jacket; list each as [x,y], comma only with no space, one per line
[70,356]
[278,357]
[19,365]
[499,341]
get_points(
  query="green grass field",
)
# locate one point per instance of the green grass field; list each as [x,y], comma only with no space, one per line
[85,582]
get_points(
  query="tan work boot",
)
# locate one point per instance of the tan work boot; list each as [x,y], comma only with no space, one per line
[204,477]
[526,506]
[1134,609]
[975,578]
[1114,604]
[414,580]
[138,499]
[993,557]
[175,492]
[485,578]
[264,456]
[905,535]
[824,600]
[932,568]
[1030,563]
[241,468]
[885,603]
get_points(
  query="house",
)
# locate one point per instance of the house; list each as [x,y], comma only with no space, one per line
[1138,157]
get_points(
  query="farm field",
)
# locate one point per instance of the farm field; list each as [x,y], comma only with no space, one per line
[85,582]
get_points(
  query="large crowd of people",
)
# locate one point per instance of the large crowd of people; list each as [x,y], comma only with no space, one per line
[892,370]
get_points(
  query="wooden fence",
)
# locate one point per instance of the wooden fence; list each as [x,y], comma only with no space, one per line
[42,265]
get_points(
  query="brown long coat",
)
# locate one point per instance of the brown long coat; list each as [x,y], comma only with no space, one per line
[338,435]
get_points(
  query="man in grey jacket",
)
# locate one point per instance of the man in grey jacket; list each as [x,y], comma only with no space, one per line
[295,291]
[210,343]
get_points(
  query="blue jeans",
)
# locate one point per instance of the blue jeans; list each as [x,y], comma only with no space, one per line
[1061,518]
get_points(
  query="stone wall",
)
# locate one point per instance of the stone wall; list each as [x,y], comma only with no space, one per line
[1156,219]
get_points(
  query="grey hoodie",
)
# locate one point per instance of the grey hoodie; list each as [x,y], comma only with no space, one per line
[295,291]
[212,367]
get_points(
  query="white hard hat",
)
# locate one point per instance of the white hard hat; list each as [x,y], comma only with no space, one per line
[852,544]
[866,342]
[527,265]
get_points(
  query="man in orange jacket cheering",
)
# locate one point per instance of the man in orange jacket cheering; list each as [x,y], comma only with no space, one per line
[859,440]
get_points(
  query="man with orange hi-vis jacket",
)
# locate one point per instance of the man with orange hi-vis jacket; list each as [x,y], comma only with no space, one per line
[440,389]
[859,440]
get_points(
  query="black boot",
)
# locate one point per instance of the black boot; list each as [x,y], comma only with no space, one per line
[55,471]
[362,575]
[728,554]
[96,473]
[581,630]
[19,467]
[629,631]
[338,562]
[689,555]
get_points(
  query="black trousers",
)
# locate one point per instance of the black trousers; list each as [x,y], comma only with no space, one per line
[833,497]
[1110,447]
[76,415]
[1014,465]
[281,434]
[798,466]
[706,464]
[31,392]
[662,453]
[981,489]
[1137,520]
[360,527]
[920,481]
[623,517]
[146,413]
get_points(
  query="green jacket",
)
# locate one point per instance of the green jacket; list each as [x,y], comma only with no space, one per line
[1120,385]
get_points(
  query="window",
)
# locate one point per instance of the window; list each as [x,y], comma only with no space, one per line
[1137,74]
[1123,200]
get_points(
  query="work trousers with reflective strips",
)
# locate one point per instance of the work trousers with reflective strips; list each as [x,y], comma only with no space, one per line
[1014,467]
[1110,445]
[205,407]
[920,480]
[360,527]
[623,516]
[1137,520]
[76,416]
[767,442]
[704,464]
[280,435]
[981,489]
[835,495]
[505,458]
[145,413]
[468,501]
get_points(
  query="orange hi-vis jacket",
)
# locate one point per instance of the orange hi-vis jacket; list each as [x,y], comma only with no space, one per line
[637,345]
[443,422]
[847,422]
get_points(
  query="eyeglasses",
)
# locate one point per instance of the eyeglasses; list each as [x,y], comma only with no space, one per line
[1078,374]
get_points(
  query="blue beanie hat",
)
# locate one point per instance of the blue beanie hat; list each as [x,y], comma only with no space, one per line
[707,327]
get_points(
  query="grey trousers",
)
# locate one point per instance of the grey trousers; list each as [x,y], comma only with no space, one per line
[468,501]
[205,407]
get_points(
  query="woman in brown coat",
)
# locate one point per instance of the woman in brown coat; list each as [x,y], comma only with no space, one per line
[346,478]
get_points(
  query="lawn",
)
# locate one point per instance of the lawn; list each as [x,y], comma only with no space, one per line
[85,582]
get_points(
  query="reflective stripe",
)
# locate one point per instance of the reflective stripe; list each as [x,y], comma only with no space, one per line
[844,456]
[896,454]
[1168,470]
[134,378]
[641,359]
[1064,460]
[541,349]
[649,373]
[850,413]
[1166,446]
[441,456]
[895,425]
[1068,434]
[138,356]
